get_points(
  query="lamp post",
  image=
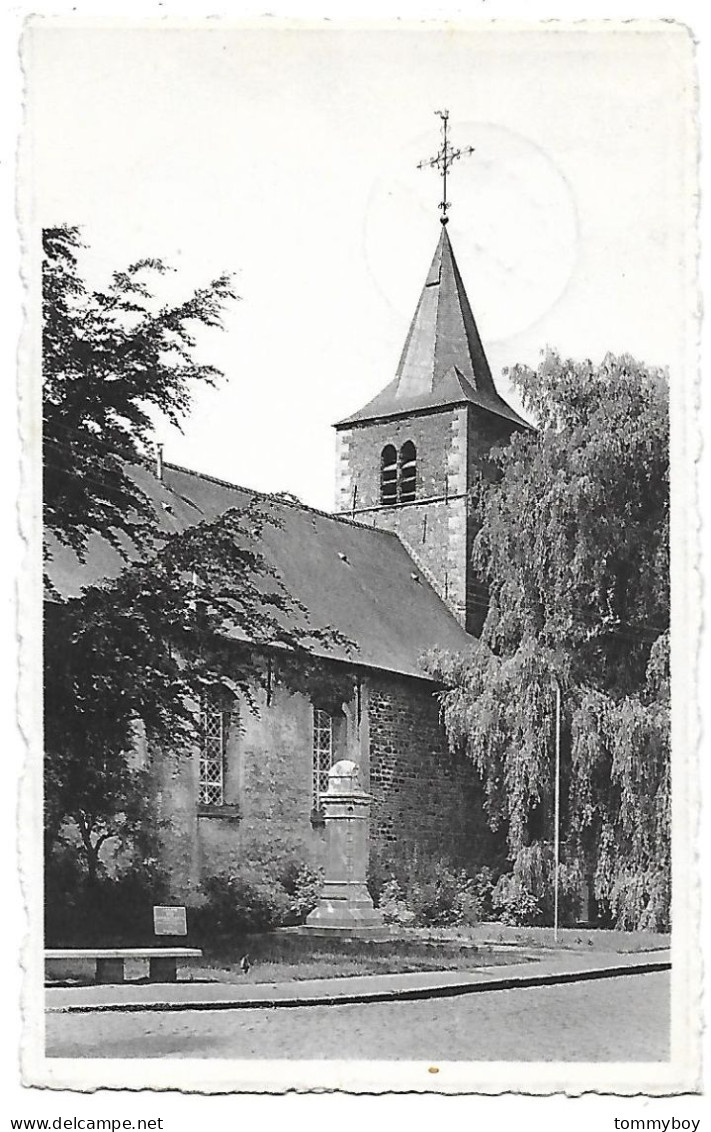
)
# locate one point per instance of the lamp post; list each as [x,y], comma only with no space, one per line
[556,809]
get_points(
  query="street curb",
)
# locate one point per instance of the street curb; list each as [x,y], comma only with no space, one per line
[403,994]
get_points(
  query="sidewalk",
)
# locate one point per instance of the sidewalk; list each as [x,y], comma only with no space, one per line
[546,969]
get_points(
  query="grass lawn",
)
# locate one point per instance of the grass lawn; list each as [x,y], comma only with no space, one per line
[285,954]
[281,959]
[569,939]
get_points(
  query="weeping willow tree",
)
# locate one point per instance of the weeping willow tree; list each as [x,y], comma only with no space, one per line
[572,556]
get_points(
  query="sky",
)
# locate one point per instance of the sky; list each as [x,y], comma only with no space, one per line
[289,157]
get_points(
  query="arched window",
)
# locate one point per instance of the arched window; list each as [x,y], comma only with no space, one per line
[388,474]
[408,472]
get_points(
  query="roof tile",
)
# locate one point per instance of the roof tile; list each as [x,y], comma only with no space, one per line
[350,577]
[443,360]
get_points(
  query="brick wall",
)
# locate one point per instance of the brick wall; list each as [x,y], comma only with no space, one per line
[452,446]
[423,795]
[433,528]
[360,448]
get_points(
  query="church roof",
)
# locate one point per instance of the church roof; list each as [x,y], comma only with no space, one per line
[443,361]
[349,577]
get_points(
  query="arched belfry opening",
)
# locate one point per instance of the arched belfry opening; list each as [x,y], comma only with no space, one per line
[388,475]
[407,478]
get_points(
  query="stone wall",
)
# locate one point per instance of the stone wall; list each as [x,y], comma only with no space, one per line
[268,794]
[437,529]
[360,449]
[433,527]
[424,796]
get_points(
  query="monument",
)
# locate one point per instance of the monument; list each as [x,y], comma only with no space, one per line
[345,906]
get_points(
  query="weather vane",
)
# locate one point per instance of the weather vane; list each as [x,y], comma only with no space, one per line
[443,161]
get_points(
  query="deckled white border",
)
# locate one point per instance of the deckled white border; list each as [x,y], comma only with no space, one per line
[681,1074]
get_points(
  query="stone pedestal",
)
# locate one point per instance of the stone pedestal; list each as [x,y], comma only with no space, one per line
[345,906]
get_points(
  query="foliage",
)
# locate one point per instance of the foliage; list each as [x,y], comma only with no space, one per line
[482,888]
[255,899]
[572,554]
[412,890]
[525,896]
[302,885]
[152,645]
[393,905]
[626,815]
[111,360]
[514,904]
[240,903]
[327,684]
[170,633]
[115,906]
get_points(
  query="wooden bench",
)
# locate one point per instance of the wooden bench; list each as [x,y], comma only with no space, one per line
[162,961]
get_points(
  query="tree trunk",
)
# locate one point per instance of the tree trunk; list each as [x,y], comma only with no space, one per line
[91,852]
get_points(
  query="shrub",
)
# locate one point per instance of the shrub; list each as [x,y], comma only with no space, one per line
[240,903]
[378,875]
[483,888]
[256,898]
[115,909]
[515,904]
[393,905]
[410,889]
[534,869]
[526,895]
[302,886]
[439,900]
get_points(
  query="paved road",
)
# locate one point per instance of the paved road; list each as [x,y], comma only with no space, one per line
[619,1019]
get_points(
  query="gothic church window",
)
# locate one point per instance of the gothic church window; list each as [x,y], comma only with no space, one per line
[214,726]
[408,473]
[388,474]
[323,735]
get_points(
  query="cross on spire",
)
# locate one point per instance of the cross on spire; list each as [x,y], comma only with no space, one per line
[443,162]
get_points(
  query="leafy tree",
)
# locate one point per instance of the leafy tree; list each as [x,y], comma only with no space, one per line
[152,646]
[184,623]
[573,554]
[111,360]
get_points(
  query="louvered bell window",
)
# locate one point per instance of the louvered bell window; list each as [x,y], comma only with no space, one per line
[212,756]
[388,474]
[322,753]
[408,472]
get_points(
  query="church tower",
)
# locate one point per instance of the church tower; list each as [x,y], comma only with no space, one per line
[406,461]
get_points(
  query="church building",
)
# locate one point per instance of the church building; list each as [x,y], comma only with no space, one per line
[390,572]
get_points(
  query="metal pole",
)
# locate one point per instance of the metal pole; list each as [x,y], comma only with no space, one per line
[556,832]
[445,116]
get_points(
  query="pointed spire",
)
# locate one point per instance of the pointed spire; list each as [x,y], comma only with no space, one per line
[443,333]
[443,360]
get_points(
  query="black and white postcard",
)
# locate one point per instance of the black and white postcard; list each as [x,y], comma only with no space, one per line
[361,611]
